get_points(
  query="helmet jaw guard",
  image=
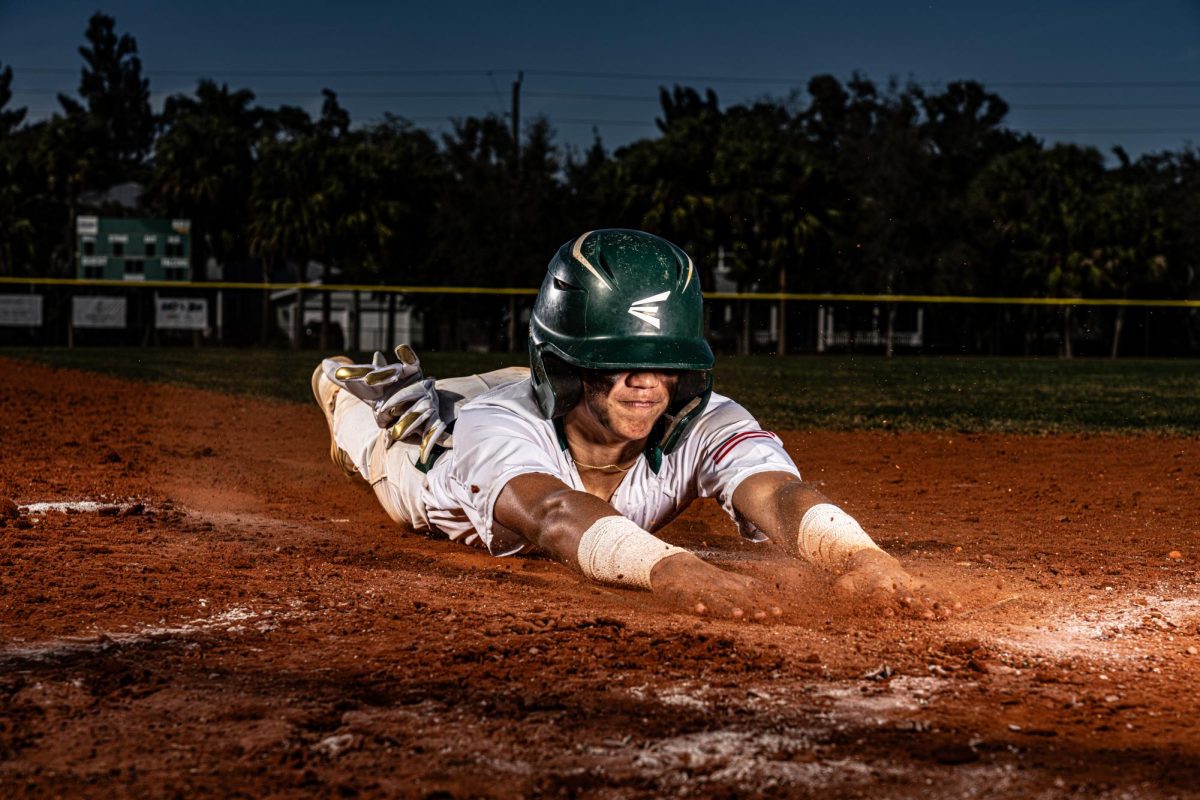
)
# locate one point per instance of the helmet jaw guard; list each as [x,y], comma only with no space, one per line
[556,384]
[678,419]
[621,300]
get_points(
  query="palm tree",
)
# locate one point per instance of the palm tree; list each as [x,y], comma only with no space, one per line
[289,209]
[61,153]
[1043,203]
[768,188]
[10,118]
[1131,229]
[204,163]
[667,182]
[17,230]
[116,105]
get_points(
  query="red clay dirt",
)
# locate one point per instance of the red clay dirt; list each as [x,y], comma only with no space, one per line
[231,617]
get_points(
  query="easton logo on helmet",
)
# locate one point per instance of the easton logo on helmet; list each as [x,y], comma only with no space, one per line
[646,309]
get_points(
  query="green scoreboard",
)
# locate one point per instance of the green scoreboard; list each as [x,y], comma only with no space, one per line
[121,249]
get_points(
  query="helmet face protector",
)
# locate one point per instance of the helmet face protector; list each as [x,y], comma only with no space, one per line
[621,300]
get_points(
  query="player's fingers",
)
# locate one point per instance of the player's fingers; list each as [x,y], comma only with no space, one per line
[737,613]
[880,583]
[880,596]
[846,584]
[700,608]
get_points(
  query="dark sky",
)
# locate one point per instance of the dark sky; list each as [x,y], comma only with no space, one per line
[1099,72]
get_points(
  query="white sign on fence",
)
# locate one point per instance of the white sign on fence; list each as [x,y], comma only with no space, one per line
[98,312]
[21,310]
[181,314]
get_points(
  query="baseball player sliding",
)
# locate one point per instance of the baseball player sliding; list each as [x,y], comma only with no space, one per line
[611,433]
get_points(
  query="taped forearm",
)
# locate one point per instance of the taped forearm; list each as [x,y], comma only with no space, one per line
[617,551]
[829,536]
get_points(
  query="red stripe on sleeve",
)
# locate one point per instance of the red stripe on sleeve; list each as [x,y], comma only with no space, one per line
[733,441]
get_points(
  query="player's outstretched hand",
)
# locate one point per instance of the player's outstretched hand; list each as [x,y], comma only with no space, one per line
[698,587]
[874,576]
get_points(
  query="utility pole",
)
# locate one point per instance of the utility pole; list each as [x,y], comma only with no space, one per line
[516,178]
[516,118]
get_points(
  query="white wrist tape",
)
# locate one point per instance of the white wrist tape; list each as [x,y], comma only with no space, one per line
[615,550]
[829,536]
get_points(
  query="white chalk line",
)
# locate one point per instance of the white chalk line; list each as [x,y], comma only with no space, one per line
[787,754]
[80,506]
[235,620]
[1118,630]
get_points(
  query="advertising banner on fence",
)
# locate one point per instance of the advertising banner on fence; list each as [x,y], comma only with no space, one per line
[21,310]
[98,312]
[181,314]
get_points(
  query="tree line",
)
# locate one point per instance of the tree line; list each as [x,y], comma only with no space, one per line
[842,186]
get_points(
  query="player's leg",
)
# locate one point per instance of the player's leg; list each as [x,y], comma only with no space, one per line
[359,447]
[326,393]
[358,399]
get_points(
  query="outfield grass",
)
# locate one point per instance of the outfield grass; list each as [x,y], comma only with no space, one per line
[910,393]
[969,394]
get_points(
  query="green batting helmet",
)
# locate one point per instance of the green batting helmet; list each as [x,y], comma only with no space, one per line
[621,300]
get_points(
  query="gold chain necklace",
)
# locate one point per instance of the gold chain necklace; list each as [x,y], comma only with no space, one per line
[605,467]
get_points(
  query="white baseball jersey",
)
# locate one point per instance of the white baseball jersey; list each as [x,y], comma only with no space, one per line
[501,434]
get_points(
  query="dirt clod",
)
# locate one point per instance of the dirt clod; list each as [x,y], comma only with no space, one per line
[8,509]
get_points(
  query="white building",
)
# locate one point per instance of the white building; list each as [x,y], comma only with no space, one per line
[373,309]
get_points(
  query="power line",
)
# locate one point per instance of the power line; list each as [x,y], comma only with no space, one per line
[311,93]
[282,73]
[650,76]
[496,91]
[1048,131]
[1086,84]
[445,118]
[626,98]
[1186,84]
[585,121]
[1107,106]
[1115,131]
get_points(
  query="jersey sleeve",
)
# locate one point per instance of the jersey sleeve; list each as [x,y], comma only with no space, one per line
[491,447]
[732,446]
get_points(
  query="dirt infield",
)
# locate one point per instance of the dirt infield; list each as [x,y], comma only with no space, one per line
[193,602]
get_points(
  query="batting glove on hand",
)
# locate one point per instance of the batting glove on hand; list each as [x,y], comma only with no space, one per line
[382,384]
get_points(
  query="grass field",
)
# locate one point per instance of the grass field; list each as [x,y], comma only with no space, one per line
[911,393]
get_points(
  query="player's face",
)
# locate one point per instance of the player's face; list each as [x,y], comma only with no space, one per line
[628,403]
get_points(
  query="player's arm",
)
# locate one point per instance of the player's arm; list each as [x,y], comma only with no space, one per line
[590,536]
[800,520]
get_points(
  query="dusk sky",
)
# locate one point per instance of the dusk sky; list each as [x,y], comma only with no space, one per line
[1099,72]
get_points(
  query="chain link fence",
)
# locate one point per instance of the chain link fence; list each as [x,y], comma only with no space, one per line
[80,313]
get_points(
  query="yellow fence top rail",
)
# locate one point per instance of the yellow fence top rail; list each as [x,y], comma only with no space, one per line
[499,291]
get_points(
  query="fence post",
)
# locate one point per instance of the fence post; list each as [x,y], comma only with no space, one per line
[356,320]
[391,321]
[512,323]
[298,322]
